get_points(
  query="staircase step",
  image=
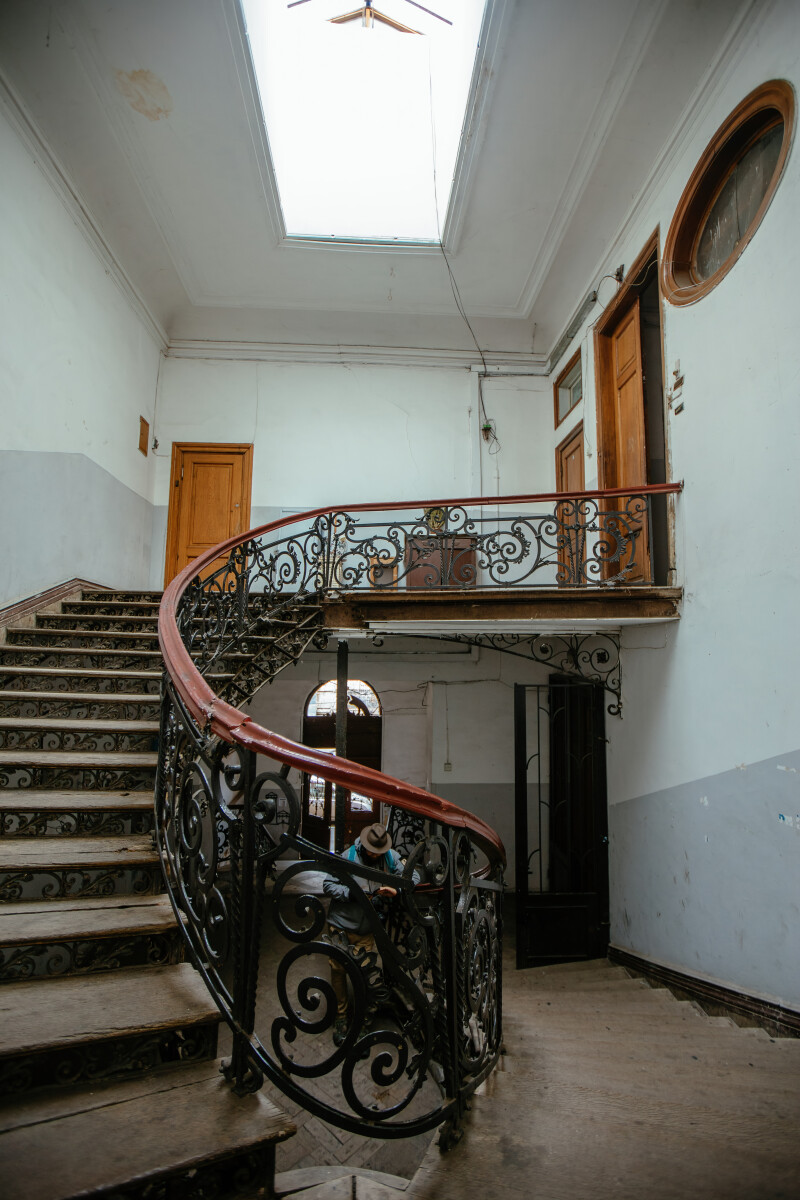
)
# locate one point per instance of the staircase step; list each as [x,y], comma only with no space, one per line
[53,656]
[173,1123]
[101,735]
[75,638]
[25,812]
[91,621]
[45,938]
[78,758]
[47,868]
[118,698]
[82,678]
[27,800]
[111,607]
[36,854]
[103,1026]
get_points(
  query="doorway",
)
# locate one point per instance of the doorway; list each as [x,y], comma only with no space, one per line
[631,441]
[209,500]
[364,736]
[561,821]
[570,478]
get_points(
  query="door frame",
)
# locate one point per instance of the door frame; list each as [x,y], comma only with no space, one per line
[175,475]
[606,326]
[617,308]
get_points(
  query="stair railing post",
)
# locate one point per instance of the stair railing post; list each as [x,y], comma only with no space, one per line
[453,998]
[340,793]
[247,886]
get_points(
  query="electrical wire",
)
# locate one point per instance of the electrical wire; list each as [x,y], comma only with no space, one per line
[488,425]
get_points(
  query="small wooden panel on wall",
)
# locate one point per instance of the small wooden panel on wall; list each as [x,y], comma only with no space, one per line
[209,500]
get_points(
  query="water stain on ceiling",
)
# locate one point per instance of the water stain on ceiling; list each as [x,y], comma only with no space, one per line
[145,93]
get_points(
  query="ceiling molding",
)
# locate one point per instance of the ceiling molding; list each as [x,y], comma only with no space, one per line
[492,35]
[634,46]
[56,175]
[716,76]
[397,356]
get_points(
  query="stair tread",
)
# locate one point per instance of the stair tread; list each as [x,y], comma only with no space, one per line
[104,1137]
[28,800]
[47,921]
[13,648]
[84,633]
[78,1009]
[102,724]
[91,672]
[90,758]
[28,853]
[82,697]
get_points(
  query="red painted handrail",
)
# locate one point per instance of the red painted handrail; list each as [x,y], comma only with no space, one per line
[234,726]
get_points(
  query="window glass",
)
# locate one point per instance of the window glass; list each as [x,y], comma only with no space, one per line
[570,391]
[739,199]
[361,699]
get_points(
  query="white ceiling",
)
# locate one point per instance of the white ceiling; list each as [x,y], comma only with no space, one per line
[574,103]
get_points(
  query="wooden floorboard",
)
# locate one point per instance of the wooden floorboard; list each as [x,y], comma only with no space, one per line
[28,854]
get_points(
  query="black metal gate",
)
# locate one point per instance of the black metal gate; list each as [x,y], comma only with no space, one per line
[561,854]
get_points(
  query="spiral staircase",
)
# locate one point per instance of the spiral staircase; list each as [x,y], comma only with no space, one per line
[109,1074]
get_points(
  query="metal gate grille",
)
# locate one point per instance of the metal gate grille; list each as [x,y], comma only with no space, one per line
[561,853]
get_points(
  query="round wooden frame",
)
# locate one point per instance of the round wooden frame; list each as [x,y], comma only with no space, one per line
[764,107]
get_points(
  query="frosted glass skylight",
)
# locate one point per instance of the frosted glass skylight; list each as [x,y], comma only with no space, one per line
[362,118]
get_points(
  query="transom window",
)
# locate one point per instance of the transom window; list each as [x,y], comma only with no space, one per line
[568,388]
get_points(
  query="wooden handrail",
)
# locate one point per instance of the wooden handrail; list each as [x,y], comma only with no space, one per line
[234,726]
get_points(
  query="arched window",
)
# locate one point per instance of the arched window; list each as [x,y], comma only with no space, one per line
[728,193]
[364,729]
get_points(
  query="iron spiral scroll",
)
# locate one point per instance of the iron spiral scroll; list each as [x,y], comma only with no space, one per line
[424,1023]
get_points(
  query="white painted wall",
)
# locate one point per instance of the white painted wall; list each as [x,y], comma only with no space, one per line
[713,698]
[77,369]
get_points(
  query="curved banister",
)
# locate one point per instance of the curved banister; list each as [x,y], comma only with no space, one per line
[424,1004]
[232,725]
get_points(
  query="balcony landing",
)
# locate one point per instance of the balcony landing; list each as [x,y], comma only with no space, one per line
[534,610]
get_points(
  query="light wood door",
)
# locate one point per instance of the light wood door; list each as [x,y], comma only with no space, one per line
[570,478]
[209,500]
[622,436]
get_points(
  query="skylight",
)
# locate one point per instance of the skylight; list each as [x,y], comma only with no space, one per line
[361,115]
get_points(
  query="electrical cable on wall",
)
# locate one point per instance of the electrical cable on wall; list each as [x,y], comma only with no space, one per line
[488,425]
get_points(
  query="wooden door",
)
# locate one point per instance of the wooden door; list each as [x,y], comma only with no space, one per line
[572,531]
[209,500]
[622,436]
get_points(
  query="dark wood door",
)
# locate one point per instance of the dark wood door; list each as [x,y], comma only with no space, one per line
[561,863]
[209,500]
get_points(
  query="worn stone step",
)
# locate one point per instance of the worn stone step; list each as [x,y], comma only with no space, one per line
[28,812]
[45,938]
[46,868]
[103,1026]
[177,1123]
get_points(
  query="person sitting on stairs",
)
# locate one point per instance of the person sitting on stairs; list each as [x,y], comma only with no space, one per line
[346,916]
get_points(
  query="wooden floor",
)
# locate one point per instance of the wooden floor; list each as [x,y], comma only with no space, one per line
[611,1090]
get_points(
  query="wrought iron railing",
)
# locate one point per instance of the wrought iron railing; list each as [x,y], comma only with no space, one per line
[424,1022]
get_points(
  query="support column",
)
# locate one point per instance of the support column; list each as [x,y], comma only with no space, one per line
[341,794]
